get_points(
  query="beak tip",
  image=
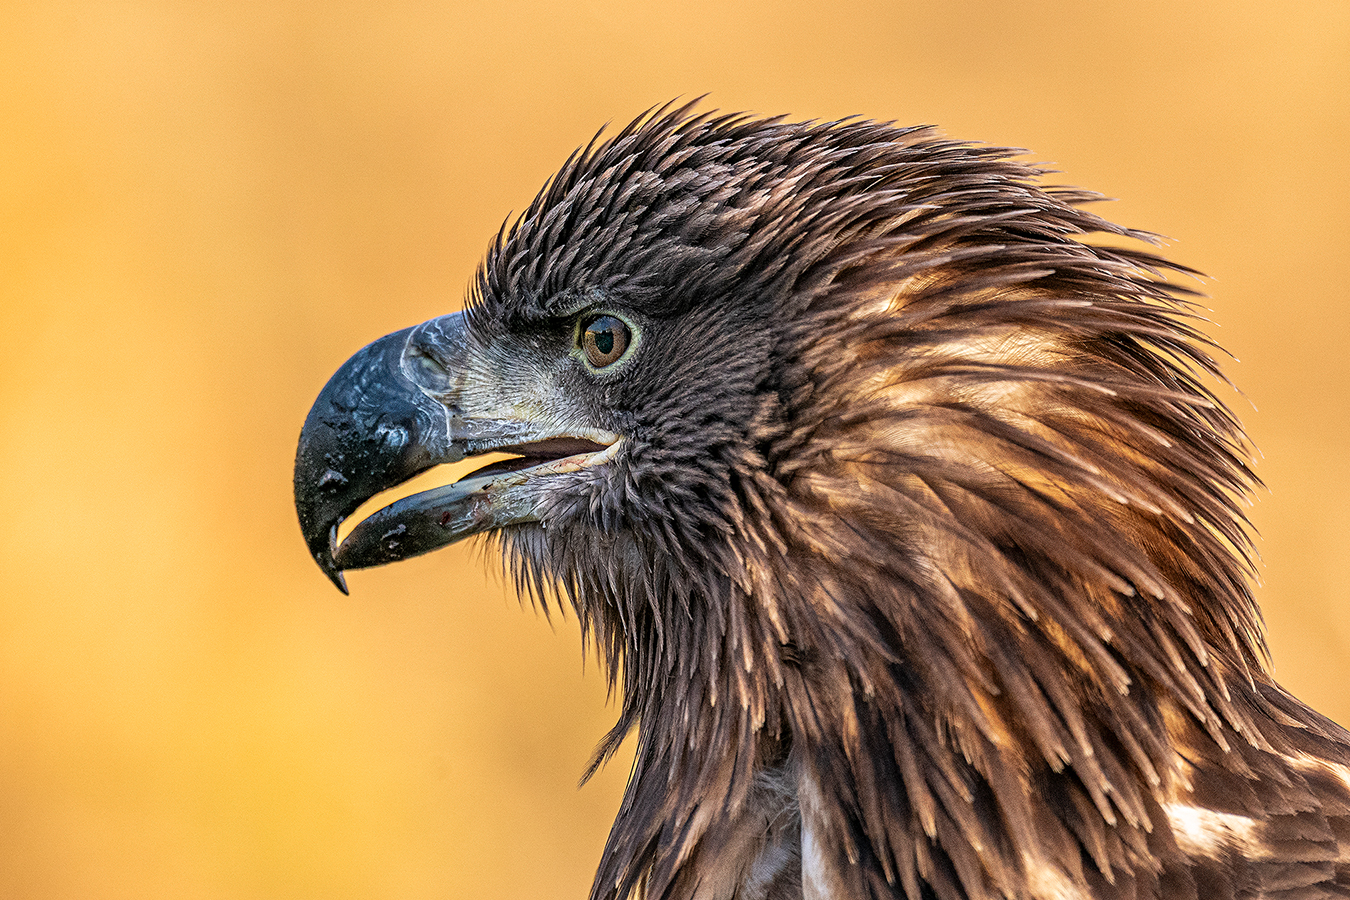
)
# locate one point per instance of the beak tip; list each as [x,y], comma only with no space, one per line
[340,582]
[323,553]
[332,570]
[327,561]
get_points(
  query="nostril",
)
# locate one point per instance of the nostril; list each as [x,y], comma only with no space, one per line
[433,358]
[425,371]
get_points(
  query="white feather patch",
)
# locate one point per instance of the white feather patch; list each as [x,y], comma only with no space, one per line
[1048,882]
[1204,832]
[816,880]
[1304,763]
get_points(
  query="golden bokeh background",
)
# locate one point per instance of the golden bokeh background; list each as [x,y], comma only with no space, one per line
[205,207]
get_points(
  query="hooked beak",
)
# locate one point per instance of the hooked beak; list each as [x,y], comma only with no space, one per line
[412,400]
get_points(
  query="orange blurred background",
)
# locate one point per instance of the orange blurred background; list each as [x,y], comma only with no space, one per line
[206,207]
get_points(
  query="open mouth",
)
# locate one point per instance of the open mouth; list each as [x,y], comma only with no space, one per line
[491,496]
[537,453]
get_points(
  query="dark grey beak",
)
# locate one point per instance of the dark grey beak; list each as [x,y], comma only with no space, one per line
[370,429]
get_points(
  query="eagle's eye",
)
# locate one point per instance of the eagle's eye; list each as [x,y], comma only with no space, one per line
[604,339]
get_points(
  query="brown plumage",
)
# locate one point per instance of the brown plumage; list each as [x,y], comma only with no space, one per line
[897,505]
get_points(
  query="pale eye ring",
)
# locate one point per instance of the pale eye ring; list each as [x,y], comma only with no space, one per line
[604,339]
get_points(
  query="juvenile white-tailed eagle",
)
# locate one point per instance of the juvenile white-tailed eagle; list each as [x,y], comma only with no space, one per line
[895,500]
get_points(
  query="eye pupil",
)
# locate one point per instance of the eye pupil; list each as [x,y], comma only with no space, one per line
[604,339]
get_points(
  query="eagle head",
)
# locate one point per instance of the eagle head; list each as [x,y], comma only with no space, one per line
[892,490]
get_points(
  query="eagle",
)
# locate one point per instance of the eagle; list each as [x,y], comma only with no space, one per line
[892,487]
